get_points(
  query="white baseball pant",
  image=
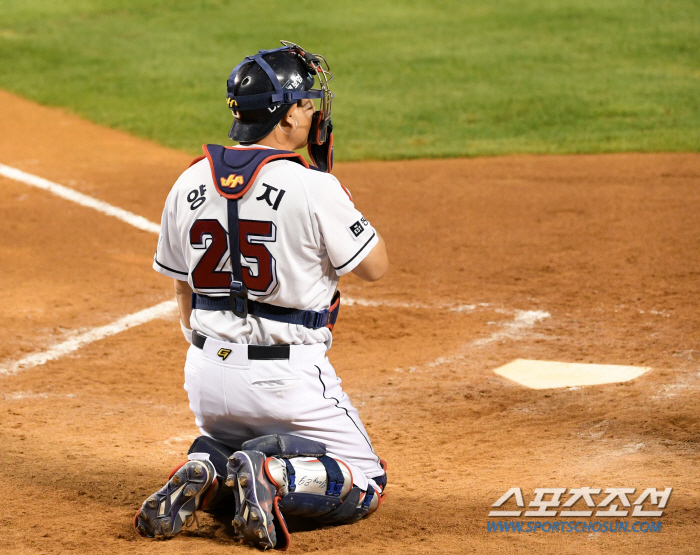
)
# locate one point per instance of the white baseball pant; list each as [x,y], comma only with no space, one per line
[235,399]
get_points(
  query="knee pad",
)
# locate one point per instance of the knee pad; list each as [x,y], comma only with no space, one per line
[285,445]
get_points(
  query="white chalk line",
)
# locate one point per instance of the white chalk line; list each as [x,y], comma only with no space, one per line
[22,395]
[351,301]
[523,320]
[95,334]
[74,343]
[160,310]
[516,328]
[79,198]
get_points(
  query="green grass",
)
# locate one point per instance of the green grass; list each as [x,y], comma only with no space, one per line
[413,79]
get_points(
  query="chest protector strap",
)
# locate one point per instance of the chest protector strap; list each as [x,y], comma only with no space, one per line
[234,170]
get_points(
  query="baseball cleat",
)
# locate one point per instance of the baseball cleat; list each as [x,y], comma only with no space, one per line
[254,499]
[165,512]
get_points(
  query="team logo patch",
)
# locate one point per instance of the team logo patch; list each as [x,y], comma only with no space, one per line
[232,181]
[223,353]
[357,228]
[294,81]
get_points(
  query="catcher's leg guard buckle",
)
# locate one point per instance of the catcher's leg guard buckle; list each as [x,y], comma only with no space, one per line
[335,476]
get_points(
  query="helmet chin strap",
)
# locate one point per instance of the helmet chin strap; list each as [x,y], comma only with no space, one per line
[283,131]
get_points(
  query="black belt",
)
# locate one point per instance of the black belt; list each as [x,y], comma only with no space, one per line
[255,352]
[307,318]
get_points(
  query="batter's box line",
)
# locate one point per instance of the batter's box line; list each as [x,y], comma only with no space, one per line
[516,329]
[162,310]
[452,307]
[67,193]
[77,341]
[142,223]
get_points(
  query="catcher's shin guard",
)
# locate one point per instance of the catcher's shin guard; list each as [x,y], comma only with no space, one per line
[321,489]
[299,480]
[165,512]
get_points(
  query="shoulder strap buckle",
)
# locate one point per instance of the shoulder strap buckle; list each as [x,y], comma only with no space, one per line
[238,299]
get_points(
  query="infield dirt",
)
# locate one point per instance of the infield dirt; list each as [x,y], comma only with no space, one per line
[607,245]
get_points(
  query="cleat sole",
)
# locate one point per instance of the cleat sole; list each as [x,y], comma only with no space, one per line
[164,513]
[254,497]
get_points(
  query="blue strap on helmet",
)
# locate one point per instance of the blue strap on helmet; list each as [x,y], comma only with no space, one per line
[258,58]
[265,100]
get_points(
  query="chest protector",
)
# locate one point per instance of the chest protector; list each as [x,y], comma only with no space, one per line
[234,170]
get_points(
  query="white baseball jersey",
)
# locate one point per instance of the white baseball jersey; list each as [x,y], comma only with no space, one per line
[299,232]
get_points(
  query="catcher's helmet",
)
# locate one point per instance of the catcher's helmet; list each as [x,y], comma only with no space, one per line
[262,87]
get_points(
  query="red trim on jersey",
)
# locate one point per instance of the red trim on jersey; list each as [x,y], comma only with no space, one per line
[275,157]
[347,192]
[198,159]
[247,148]
[211,166]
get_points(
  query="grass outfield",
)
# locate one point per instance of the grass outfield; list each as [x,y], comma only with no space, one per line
[413,79]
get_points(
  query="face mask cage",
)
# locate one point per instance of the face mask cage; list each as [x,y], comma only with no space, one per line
[318,66]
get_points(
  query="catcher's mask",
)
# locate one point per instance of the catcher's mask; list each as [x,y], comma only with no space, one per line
[262,87]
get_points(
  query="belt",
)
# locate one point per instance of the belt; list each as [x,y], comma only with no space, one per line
[244,306]
[255,352]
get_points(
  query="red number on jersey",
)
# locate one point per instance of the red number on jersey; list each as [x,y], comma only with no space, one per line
[251,235]
[209,235]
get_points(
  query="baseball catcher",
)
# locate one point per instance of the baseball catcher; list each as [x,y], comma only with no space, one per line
[256,240]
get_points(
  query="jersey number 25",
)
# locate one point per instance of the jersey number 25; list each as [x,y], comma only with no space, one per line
[252,234]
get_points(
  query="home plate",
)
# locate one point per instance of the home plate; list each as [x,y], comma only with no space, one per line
[544,374]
